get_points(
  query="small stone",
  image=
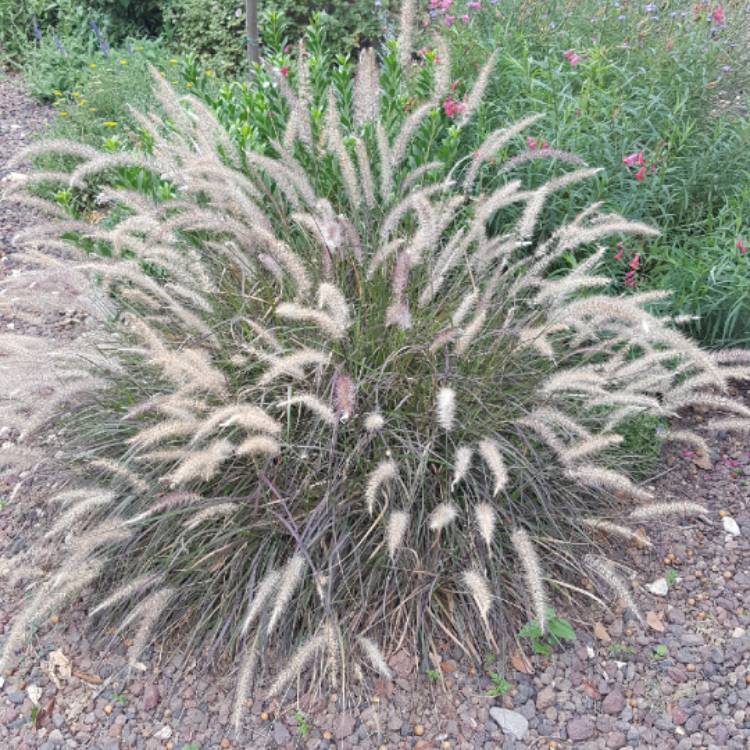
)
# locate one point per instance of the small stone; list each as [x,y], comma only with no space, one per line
[679,717]
[151,697]
[327,735]
[511,722]
[419,730]
[545,698]
[280,733]
[108,709]
[580,728]
[225,743]
[56,736]
[17,697]
[659,587]
[616,740]
[730,526]
[343,726]
[614,702]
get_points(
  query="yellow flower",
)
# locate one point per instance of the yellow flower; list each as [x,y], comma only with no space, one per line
[57,92]
[189,84]
[123,62]
[92,66]
[92,109]
[76,93]
[209,74]
[109,124]
[173,61]
[81,102]
[62,113]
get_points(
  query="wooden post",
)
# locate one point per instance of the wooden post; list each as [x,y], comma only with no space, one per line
[251,34]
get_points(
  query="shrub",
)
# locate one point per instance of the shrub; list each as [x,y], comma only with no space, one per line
[215,31]
[335,401]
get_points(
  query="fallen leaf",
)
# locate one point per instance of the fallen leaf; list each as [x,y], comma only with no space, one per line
[601,633]
[702,461]
[58,667]
[654,620]
[521,663]
[92,679]
[384,688]
[45,714]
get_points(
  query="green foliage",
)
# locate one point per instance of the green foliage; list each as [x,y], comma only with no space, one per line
[660,651]
[303,726]
[558,630]
[215,31]
[671,577]
[620,649]
[120,698]
[433,674]
[661,83]
[500,686]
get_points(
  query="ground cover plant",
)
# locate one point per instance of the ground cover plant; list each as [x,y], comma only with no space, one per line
[348,392]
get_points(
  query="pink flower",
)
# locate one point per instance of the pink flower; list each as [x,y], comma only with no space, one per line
[741,247]
[718,14]
[620,251]
[445,4]
[451,107]
[652,167]
[465,18]
[571,56]
[635,262]
[475,5]
[633,160]
[531,142]
[630,279]
[640,174]
[450,20]
[284,70]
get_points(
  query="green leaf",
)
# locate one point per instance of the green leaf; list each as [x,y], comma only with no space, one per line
[561,629]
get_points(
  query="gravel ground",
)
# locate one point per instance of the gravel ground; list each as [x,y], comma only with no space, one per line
[681,682]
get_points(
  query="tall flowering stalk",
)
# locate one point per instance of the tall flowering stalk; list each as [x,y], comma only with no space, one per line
[319,415]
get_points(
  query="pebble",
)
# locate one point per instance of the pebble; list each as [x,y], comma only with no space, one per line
[580,728]
[511,722]
[614,702]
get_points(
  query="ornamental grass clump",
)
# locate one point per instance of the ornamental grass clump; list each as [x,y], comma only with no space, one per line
[330,423]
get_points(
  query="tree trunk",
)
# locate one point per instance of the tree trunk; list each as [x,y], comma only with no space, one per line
[251,34]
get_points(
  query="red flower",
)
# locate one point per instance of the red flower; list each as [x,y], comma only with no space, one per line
[718,14]
[531,142]
[620,251]
[284,70]
[633,160]
[635,262]
[639,175]
[741,247]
